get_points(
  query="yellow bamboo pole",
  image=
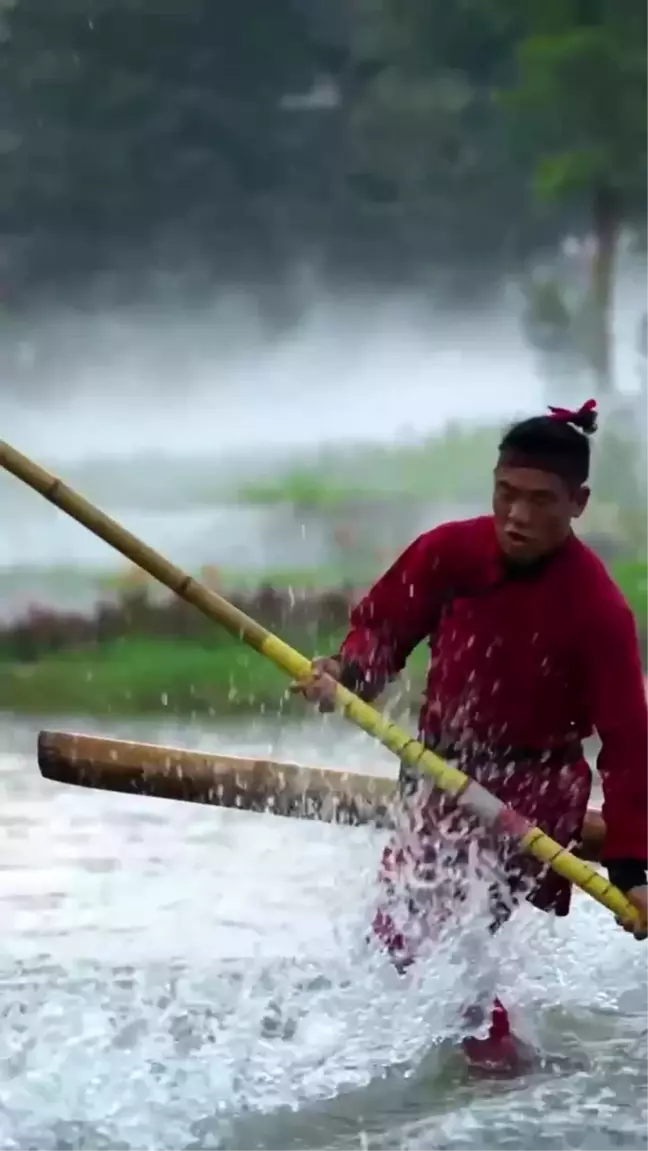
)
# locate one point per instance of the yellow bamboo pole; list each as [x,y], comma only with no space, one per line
[469,794]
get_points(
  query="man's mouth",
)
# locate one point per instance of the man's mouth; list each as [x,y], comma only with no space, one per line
[517,538]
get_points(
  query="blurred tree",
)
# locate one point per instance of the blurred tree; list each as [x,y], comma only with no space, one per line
[360,136]
[426,142]
[577,105]
[139,121]
[577,109]
[146,136]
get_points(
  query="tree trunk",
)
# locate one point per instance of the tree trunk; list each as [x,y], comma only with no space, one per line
[606,221]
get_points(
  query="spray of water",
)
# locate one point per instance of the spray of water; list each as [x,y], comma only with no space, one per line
[182,977]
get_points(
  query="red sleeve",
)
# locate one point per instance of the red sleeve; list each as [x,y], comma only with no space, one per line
[617,702]
[399,611]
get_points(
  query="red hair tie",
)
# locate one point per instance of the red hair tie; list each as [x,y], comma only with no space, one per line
[565,416]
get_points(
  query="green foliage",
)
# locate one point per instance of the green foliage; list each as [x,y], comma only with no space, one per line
[240,134]
[632,578]
[449,466]
[579,94]
[569,171]
[303,488]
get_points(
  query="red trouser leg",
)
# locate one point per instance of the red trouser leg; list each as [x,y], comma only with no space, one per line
[499,1052]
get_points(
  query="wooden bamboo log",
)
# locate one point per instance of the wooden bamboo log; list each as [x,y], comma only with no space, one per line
[249,784]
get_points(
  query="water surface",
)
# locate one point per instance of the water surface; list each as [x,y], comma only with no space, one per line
[180,977]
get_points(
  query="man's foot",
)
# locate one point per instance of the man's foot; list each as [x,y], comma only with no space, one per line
[500,1052]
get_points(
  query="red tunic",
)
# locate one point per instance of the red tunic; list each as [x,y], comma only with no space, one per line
[524,664]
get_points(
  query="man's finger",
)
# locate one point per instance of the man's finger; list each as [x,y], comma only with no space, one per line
[301,686]
[313,689]
[326,705]
[640,931]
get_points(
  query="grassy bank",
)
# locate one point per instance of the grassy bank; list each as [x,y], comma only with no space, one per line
[145,676]
[139,658]
[449,466]
[157,676]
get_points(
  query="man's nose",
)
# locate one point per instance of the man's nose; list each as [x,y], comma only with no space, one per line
[519,513]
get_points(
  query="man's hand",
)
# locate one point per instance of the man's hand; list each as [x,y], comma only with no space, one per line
[638,897]
[319,688]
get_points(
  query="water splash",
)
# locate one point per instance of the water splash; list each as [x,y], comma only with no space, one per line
[180,977]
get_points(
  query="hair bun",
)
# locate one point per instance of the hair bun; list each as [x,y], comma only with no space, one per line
[584,418]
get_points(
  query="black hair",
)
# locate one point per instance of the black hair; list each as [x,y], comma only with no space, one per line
[558,443]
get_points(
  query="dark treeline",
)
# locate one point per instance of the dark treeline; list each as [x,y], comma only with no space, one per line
[296,614]
[42,631]
[369,139]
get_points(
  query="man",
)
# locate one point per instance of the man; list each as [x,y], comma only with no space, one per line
[532,648]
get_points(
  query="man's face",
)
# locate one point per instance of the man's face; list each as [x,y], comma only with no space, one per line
[533,511]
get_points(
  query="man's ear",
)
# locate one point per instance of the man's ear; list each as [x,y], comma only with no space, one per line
[580,501]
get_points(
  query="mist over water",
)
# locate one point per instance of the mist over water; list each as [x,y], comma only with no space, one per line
[221,377]
[226,396]
[222,383]
[169,407]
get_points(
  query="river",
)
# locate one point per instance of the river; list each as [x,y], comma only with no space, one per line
[182,977]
